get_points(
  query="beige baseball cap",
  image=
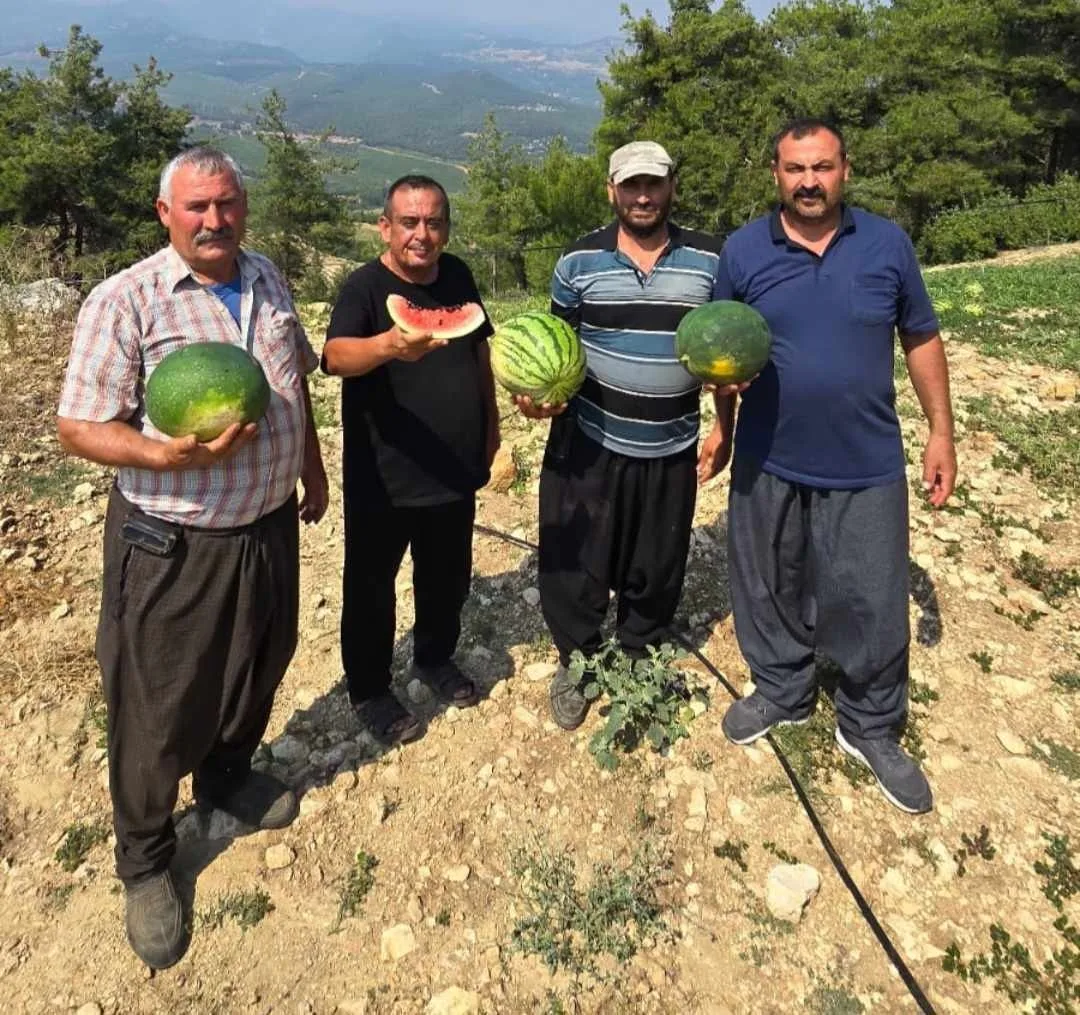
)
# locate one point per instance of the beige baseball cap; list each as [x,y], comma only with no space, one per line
[639,158]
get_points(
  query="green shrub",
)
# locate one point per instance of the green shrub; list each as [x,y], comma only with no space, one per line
[1047,214]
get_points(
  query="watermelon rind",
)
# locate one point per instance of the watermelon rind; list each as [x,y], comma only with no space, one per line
[723,342]
[538,355]
[205,387]
[439,322]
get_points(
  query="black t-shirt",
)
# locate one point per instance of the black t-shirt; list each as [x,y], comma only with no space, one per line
[414,433]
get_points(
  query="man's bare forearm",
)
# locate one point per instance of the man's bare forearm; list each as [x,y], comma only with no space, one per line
[113,443]
[353,357]
[929,373]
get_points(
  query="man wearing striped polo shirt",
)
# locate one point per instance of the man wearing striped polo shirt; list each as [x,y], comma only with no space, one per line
[617,488]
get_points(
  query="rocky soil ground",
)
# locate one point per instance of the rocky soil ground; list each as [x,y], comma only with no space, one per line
[407,883]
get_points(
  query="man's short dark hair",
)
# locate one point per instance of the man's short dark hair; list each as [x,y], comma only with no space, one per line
[415,181]
[800,127]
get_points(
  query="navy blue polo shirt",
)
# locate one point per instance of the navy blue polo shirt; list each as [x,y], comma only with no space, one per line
[823,412]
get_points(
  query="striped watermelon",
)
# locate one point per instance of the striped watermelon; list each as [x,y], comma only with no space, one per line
[538,355]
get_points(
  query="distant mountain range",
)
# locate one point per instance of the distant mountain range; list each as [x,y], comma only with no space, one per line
[375,80]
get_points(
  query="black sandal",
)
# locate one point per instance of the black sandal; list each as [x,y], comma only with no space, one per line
[449,683]
[387,719]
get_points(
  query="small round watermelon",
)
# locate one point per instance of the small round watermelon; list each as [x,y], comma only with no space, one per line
[205,387]
[723,342]
[538,355]
[439,322]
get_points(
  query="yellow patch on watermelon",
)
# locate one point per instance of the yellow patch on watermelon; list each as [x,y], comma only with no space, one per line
[722,369]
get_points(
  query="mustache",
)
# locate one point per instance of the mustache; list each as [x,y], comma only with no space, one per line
[809,192]
[210,235]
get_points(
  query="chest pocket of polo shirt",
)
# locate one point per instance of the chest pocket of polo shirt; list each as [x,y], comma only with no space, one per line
[275,341]
[873,298]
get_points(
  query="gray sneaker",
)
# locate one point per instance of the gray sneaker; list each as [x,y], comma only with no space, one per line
[156,929]
[898,776]
[568,705]
[752,717]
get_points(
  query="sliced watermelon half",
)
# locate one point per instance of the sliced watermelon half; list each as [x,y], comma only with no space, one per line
[440,322]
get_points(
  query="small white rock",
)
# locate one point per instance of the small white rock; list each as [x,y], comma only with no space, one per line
[397,942]
[526,717]
[1012,687]
[453,1001]
[531,596]
[738,811]
[1011,742]
[418,691]
[789,889]
[458,874]
[279,857]
[539,671]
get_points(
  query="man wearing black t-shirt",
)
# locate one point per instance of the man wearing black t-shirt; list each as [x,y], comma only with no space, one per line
[420,431]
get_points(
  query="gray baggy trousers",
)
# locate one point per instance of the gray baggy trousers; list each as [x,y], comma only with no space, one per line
[825,570]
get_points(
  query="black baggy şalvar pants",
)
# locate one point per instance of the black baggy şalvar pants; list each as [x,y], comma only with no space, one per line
[192,647]
[815,569]
[439,538]
[611,522]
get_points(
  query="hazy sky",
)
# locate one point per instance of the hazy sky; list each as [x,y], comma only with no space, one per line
[581,18]
[572,20]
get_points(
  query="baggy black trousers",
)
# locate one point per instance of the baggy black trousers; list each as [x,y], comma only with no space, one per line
[192,647]
[611,522]
[827,570]
[439,538]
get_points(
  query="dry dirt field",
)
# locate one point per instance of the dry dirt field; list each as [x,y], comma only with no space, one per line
[438,877]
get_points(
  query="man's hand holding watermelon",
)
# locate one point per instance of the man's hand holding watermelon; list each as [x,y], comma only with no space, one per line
[545,410]
[410,345]
[189,453]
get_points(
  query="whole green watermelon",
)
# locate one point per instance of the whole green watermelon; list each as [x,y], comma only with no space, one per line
[203,388]
[723,342]
[538,355]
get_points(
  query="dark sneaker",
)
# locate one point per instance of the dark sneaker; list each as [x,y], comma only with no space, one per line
[898,776]
[448,682]
[753,716]
[261,801]
[568,705]
[156,929]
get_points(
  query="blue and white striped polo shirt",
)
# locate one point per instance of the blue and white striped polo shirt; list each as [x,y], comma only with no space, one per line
[637,399]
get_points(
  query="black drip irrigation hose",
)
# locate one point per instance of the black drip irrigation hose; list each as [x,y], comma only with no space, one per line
[835,858]
[837,861]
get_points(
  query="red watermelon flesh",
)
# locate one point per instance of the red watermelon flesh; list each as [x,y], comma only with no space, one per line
[439,322]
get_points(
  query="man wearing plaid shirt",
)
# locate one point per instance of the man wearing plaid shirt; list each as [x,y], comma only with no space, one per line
[200,588]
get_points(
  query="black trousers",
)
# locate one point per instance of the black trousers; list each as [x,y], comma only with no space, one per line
[611,522]
[192,647]
[439,538]
[827,570]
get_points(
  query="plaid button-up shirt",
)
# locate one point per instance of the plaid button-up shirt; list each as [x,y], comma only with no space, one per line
[131,321]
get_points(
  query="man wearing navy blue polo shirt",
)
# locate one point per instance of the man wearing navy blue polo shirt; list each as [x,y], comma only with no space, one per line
[818,511]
